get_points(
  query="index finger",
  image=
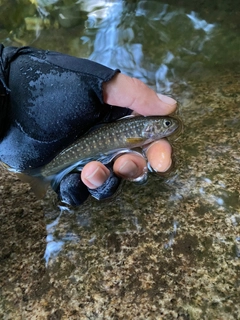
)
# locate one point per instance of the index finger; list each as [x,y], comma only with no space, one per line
[124,91]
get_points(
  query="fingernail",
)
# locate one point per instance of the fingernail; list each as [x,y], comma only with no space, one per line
[163,168]
[166,99]
[98,177]
[129,169]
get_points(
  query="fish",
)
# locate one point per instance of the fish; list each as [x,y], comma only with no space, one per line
[102,144]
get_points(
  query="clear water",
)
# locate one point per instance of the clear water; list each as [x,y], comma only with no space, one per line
[191,216]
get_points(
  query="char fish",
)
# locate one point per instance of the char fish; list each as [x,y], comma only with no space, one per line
[102,143]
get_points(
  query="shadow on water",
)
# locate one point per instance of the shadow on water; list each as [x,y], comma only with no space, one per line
[181,229]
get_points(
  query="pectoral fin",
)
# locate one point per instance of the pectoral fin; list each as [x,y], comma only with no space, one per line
[135,140]
[37,184]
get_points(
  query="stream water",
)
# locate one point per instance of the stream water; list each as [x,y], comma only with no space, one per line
[168,249]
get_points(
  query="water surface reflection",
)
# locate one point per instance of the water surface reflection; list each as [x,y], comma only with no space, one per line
[180,230]
[171,50]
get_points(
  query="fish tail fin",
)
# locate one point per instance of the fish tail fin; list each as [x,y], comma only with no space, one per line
[38,185]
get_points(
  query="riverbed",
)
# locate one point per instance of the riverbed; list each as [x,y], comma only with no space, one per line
[168,249]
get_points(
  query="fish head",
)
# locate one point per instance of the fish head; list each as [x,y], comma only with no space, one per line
[160,127]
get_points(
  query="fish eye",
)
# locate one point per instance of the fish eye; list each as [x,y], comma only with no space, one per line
[167,123]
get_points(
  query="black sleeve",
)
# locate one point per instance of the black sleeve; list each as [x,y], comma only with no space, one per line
[52,100]
[47,101]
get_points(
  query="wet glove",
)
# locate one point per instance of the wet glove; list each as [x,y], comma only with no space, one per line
[48,100]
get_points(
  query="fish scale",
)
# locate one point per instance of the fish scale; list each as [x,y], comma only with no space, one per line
[99,144]
[126,133]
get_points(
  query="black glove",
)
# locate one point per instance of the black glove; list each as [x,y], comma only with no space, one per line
[48,100]
[72,191]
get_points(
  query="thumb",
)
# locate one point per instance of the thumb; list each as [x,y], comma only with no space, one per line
[124,91]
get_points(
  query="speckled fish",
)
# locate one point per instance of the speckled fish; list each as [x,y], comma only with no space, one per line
[104,142]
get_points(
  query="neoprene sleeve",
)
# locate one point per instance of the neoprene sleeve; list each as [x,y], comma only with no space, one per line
[48,100]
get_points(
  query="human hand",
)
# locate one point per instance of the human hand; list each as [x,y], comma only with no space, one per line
[68,97]
[134,94]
